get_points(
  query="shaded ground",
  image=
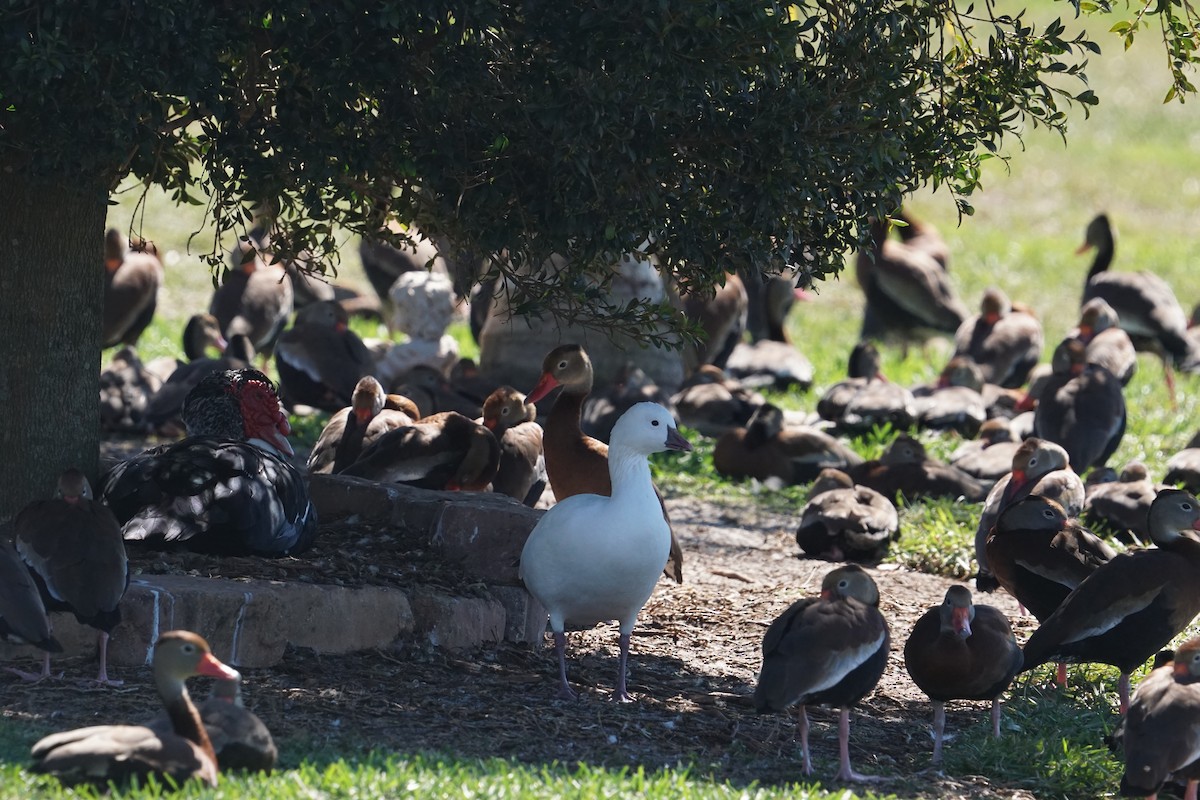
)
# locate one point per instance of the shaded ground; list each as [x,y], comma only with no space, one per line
[694,659]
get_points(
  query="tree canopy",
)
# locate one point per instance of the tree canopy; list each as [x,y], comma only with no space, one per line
[720,135]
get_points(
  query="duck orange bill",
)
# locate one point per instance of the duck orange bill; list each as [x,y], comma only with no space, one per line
[542,389]
[675,441]
[210,667]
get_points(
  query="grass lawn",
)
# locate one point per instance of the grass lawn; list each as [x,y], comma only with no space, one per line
[1134,158]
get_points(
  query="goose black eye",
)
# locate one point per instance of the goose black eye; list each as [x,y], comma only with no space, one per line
[654,422]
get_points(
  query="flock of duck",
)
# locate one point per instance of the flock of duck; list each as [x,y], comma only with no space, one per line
[230,487]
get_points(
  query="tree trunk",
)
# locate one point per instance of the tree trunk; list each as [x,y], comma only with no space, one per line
[51,295]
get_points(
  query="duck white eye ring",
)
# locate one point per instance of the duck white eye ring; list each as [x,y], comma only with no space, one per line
[562,365]
[843,583]
[1033,462]
[1186,506]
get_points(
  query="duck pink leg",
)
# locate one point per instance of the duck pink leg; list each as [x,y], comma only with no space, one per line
[102,677]
[805,758]
[621,695]
[939,728]
[1169,374]
[33,677]
[560,649]
[846,772]
[1123,692]
[996,717]
[1190,794]
[1061,676]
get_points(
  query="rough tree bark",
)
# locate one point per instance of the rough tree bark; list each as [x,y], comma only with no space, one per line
[51,284]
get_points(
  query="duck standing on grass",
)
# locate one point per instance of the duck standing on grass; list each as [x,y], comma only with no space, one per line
[593,558]
[826,650]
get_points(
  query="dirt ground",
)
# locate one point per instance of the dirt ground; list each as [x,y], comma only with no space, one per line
[694,659]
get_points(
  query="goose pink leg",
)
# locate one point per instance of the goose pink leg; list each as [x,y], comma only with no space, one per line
[939,728]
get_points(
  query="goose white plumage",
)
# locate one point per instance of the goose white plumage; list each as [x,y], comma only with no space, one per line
[593,558]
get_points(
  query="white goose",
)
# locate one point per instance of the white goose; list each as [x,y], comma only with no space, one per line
[593,558]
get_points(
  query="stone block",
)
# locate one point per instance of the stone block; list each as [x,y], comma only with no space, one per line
[524,616]
[336,619]
[457,623]
[485,537]
[338,496]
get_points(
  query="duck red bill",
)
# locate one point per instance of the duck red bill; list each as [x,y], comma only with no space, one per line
[210,667]
[542,389]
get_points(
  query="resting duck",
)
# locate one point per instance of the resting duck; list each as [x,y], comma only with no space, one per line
[23,617]
[444,451]
[989,457]
[1107,344]
[239,738]
[1161,731]
[433,393]
[201,333]
[961,651]
[1183,468]
[711,403]
[522,471]
[371,414]
[1130,607]
[1147,307]
[126,387]
[844,522]
[132,277]
[1006,344]
[72,546]
[826,650]
[905,469]
[118,753]
[1081,408]
[863,368]
[227,488]
[955,403]
[1039,468]
[593,558]
[768,449]
[907,290]
[1123,505]
[320,359]
[770,364]
[255,299]
[1040,556]
[603,408]
[575,462]
[924,236]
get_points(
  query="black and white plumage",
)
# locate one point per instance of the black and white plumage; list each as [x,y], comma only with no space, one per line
[227,488]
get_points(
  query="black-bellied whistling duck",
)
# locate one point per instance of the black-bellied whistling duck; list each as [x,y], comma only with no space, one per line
[905,469]
[126,387]
[593,558]
[1108,345]
[444,451]
[712,403]
[961,651]
[863,368]
[770,364]
[239,738]
[433,393]
[72,546]
[575,462]
[522,471]
[924,236]
[371,414]
[1081,408]
[722,317]
[1005,343]
[1038,468]
[826,650]
[1183,468]
[769,449]
[844,522]
[907,291]
[164,409]
[989,457]
[23,617]
[132,278]
[955,403]
[117,753]
[254,299]
[320,359]
[1040,556]
[1130,607]
[1122,505]
[227,488]
[1145,304]
[877,401]
[1160,734]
